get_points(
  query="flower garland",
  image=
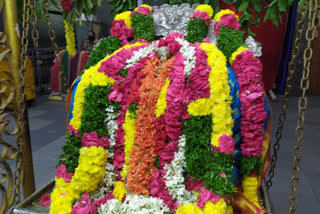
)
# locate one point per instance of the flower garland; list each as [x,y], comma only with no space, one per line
[119,191]
[162,102]
[218,106]
[109,178]
[142,156]
[252,107]
[205,8]
[253,116]
[221,13]
[130,132]
[236,53]
[86,179]
[90,170]
[91,76]
[189,53]
[125,16]
[134,204]
[174,176]
[62,197]
[250,190]
[70,38]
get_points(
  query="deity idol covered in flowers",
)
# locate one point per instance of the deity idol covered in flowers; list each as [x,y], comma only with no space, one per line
[175,125]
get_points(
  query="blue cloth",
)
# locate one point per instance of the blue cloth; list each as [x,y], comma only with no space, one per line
[236,116]
[74,89]
[286,50]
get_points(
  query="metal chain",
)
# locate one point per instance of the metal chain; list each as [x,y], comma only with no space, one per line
[34,21]
[291,71]
[52,36]
[303,102]
[21,105]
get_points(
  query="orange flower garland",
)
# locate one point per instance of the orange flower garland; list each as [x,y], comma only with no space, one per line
[143,153]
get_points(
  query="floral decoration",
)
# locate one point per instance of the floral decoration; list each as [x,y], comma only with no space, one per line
[70,38]
[165,134]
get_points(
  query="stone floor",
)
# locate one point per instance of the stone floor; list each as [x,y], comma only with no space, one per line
[47,125]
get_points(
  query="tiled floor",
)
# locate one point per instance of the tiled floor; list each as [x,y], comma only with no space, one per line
[47,124]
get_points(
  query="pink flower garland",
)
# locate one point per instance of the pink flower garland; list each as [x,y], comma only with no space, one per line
[159,190]
[198,85]
[112,66]
[109,196]
[84,206]
[202,15]
[61,172]
[228,20]
[249,74]
[120,30]
[142,10]
[92,139]
[207,195]
[126,93]
[72,130]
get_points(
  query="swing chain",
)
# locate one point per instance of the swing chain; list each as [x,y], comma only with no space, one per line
[21,105]
[291,72]
[303,102]
[34,21]
[52,36]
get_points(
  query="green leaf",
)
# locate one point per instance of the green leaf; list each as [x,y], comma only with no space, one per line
[90,4]
[282,5]
[243,6]
[56,4]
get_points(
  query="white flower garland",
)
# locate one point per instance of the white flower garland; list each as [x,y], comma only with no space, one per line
[189,52]
[174,177]
[109,179]
[111,207]
[135,204]
[141,53]
[111,122]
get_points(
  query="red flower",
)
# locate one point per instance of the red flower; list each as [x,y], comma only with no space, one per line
[66,5]
[45,200]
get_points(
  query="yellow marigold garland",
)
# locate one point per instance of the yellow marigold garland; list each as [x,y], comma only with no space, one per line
[62,197]
[162,101]
[220,207]
[190,208]
[91,76]
[250,190]
[91,169]
[129,128]
[218,16]
[218,106]
[70,38]
[205,8]
[119,190]
[236,53]
[125,16]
